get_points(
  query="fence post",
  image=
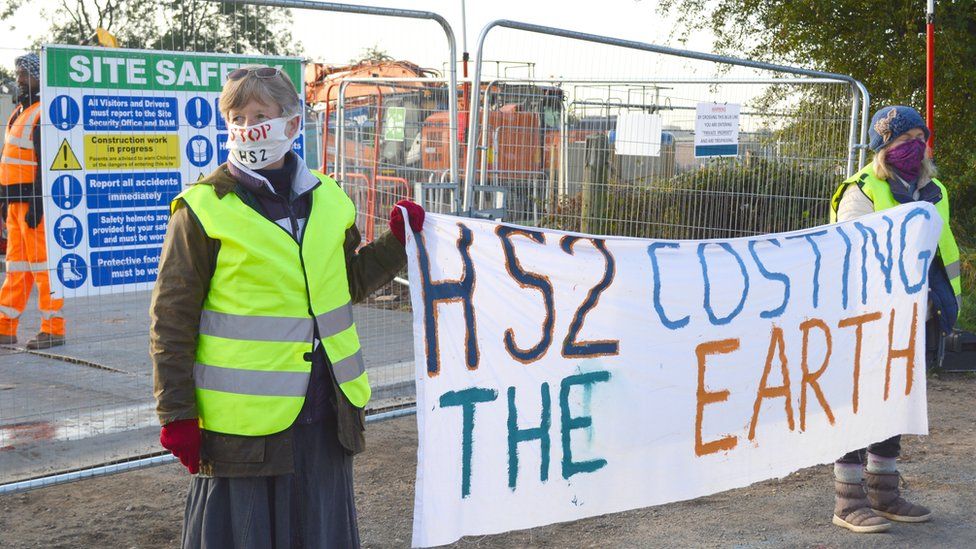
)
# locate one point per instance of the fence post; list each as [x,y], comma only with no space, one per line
[594,207]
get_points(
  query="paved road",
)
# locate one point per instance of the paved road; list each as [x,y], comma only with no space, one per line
[90,401]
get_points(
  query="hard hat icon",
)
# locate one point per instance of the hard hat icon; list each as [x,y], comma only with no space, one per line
[67,231]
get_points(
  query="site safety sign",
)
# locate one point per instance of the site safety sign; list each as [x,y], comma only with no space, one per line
[123,132]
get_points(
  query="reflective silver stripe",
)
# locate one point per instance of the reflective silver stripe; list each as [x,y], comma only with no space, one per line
[18,266]
[256,328]
[953,270]
[23,143]
[349,368]
[17,161]
[9,312]
[334,321]
[39,266]
[250,382]
[48,315]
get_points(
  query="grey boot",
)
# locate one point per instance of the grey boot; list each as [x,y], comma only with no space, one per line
[853,511]
[886,499]
[44,340]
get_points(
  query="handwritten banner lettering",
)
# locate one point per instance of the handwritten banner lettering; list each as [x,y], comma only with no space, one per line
[562,376]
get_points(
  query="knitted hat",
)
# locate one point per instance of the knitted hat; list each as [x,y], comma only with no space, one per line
[29,62]
[890,122]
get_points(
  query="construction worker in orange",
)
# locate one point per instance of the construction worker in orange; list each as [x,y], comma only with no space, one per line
[20,185]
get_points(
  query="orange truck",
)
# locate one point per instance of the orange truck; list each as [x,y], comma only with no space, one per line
[396,134]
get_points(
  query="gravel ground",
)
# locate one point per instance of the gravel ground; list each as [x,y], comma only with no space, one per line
[144,508]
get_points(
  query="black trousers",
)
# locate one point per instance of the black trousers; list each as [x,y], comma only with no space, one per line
[888,448]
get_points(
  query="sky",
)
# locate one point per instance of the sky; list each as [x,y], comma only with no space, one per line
[336,38]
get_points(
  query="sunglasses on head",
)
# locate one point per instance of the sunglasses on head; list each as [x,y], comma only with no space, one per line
[259,72]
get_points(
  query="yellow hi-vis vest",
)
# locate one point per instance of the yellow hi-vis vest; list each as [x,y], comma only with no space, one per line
[880,194]
[267,295]
[18,165]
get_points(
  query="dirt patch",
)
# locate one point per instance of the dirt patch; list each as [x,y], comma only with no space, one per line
[144,508]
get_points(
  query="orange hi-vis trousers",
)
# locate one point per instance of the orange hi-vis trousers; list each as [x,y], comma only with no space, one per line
[27,264]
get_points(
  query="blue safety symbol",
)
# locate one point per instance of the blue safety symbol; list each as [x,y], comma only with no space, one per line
[72,271]
[221,123]
[64,112]
[66,191]
[199,150]
[68,231]
[198,112]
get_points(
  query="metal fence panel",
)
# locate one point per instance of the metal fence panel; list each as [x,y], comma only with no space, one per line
[90,402]
[549,151]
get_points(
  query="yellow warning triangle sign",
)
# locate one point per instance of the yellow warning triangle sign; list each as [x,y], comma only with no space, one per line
[65,160]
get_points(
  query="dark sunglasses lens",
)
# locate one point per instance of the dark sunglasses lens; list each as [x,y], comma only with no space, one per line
[266,72]
[238,74]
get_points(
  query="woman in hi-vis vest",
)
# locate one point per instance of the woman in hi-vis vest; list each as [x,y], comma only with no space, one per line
[902,171]
[260,380]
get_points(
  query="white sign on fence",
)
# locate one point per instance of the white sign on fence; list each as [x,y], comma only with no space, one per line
[123,132]
[638,134]
[561,376]
[716,130]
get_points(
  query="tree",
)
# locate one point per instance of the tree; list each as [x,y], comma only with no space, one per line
[181,25]
[202,25]
[8,80]
[371,54]
[877,42]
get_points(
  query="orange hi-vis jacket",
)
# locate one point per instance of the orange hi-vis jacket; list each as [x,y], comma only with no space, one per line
[18,166]
[26,250]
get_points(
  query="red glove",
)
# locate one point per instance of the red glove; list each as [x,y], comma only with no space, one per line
[416,214]
[183,439]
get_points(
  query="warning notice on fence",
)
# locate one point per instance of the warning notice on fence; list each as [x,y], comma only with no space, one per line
[123,132]
[562,376]
[716,130]
[119,152]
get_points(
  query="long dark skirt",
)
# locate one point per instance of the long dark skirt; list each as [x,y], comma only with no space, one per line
[312,508]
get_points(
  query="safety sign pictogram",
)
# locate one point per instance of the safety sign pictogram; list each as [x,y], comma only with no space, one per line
[65,159]
[199,151]
[68,231]
[66,191]
[198,112]
[64,113]
[72,271]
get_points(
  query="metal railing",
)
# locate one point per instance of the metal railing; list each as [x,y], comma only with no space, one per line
[110,422]
[518,168]
[860,104]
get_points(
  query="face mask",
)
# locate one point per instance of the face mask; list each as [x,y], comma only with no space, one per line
[907,157]
[261,144]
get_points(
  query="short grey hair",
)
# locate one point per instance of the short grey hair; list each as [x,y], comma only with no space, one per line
[278,90]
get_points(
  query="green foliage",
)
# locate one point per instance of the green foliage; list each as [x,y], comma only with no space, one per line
[181,25]
[372,54]
[877,42]
[8,80]
[724,199]
[967,316]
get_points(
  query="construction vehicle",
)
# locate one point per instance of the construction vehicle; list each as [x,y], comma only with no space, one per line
[395,137]
[396,141]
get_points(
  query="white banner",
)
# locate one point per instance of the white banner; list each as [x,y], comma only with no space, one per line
[561,376]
